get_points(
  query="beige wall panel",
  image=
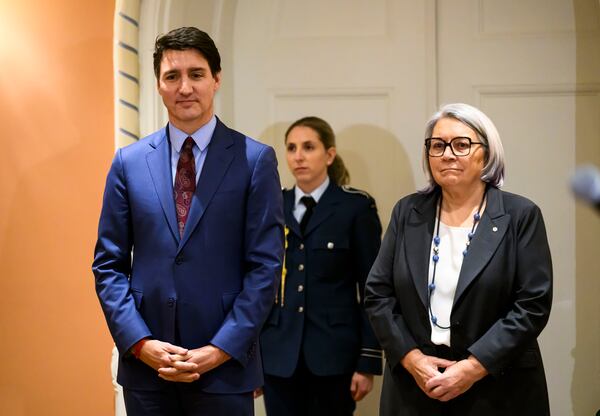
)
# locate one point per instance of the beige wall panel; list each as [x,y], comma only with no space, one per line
[375,158]
[526,17]
[469,57]
[313,18]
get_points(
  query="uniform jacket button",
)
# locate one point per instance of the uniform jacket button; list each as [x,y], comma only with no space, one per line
[301,267]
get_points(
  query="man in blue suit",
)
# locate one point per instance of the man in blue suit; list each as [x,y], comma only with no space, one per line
[189,247]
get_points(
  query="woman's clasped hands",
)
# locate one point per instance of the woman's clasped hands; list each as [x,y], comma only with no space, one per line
[442,379]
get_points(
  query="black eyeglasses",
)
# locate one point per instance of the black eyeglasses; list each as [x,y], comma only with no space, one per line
[460,146]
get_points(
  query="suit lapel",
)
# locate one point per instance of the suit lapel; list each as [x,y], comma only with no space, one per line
[159,163]
[324,208]
[288,210]
[418,237]
[218,159]
[488,235]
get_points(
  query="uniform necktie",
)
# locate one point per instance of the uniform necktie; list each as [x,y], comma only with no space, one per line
[309,203]
[185,183]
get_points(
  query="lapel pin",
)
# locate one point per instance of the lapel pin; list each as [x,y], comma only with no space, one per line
[330,245]
[494,229]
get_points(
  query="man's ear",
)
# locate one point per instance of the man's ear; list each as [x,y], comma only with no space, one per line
[217,77]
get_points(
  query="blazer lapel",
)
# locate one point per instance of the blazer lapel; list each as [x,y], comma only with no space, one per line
[324,208]
[489,233]
[217,161]
[288,210]
[418,235]
[159,164]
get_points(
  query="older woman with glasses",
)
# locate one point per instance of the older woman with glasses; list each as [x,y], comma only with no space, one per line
[462,285]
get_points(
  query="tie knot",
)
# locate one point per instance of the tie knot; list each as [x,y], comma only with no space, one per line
[188,144]
[308,202]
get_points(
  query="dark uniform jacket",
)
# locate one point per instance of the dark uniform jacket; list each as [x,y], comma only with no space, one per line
[502,303]
[319,312]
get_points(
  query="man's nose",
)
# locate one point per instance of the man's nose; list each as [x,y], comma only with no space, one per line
[186,86]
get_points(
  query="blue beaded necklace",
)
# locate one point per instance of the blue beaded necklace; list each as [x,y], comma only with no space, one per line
[436,253]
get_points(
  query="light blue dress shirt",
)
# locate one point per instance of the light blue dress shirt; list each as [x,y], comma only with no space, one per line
[299,207]
[201,137]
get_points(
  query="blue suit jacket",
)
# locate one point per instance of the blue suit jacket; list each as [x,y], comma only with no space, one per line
[214,285]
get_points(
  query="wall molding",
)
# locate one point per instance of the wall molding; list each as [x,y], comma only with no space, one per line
[536,90]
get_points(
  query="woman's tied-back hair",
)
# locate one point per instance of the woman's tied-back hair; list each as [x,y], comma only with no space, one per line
[493,169]
[337,170]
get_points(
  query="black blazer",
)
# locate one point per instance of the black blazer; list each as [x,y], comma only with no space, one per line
[501,305]
[321,314]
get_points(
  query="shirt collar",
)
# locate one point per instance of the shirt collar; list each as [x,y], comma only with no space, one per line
[201,136]
[316,194]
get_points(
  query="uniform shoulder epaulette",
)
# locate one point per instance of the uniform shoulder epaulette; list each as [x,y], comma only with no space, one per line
[350,190]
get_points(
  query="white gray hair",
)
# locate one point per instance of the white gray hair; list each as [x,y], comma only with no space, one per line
[493,170]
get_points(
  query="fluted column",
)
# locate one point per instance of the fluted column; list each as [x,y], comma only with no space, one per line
[127,70]
[127,113]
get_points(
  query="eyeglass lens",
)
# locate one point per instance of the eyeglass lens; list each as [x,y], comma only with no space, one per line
[461,146]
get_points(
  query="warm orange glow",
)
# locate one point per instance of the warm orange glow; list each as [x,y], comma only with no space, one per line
[57,141]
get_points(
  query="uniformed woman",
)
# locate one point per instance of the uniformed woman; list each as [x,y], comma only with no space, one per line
[319,352]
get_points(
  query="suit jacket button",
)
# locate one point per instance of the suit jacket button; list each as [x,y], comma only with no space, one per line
[171,302]
[300,309]
[300,288]
[301,246]
[178,260]
[301,267]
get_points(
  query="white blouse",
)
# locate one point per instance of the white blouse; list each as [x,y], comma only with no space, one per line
[453,241]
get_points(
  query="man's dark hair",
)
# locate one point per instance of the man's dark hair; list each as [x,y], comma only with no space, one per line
[187,38]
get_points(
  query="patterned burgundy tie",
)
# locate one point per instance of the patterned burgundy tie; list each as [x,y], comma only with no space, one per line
[185,183]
